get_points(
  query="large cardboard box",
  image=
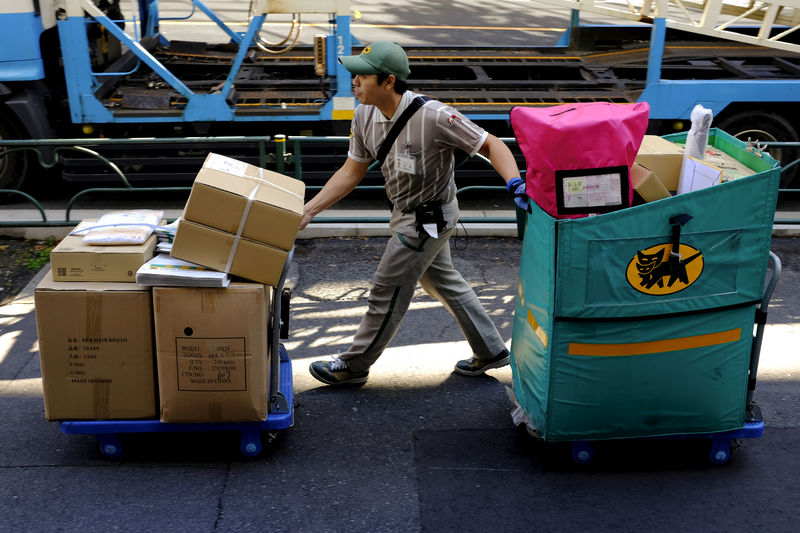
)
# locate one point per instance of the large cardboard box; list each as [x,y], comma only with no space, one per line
[663,158]
[225,252]
[73,260]
[212,351]
[96,350]
[237,198]
[647,185]
[731,168]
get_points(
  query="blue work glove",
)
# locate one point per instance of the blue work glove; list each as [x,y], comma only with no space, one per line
[517,188]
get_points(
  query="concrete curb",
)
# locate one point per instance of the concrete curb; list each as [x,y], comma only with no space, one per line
[25,296]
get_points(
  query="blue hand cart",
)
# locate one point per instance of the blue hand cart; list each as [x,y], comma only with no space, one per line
[639,324]
[280,413]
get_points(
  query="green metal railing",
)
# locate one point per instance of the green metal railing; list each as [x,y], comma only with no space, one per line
[283,160]
[80,145]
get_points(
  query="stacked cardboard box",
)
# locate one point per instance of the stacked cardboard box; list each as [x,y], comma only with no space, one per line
[95,329]
[213,352]
[657,168]
[647,185]
[96,349]
[74,260]
[731,168]
[240,219]
[108,345]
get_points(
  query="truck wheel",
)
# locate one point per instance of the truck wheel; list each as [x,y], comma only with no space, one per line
[13,166]
[766,128]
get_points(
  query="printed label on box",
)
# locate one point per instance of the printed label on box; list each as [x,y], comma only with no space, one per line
[211,364]
[226,164]
[88,360]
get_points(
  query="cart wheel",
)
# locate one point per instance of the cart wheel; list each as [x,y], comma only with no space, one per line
[720,451]
[109,445]
[251,442]
[582,452]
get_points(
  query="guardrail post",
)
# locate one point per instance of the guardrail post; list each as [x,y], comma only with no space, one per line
[297,159]
[262,153]
[280,153]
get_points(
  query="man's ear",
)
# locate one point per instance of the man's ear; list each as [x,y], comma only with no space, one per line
[389,81]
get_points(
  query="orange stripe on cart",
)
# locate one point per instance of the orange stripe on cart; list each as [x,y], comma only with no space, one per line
[537,329]
[666,345]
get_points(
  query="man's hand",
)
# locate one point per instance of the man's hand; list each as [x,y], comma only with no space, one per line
[517,188]
[307,216]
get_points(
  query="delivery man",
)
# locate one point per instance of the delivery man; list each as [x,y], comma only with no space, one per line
[418,167]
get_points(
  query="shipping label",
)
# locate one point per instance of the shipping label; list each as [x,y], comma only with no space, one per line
[225,164]
[88,358]
[216,364]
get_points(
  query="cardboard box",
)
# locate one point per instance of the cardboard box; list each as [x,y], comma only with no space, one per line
[96,350]
[73,260]
[212,248]
[227,194]
[663,158]
[647,185]
[731,168]
[212,351]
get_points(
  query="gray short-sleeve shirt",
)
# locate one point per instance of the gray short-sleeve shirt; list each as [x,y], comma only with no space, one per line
[420,165]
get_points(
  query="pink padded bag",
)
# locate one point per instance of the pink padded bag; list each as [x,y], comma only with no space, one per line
[575,137]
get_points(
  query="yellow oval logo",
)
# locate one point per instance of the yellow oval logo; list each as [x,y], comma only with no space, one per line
[366,50]
[652,272]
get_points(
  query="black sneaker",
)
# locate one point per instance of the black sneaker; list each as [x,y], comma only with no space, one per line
[476,367]
[336,373]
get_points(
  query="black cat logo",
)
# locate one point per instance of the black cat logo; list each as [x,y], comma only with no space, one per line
[656,270]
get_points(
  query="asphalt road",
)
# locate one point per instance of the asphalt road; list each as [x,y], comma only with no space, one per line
[417,448]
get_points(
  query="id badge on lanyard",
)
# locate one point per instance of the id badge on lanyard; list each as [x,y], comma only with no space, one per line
[405,163]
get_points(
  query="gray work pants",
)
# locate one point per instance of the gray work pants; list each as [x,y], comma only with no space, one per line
[405,261]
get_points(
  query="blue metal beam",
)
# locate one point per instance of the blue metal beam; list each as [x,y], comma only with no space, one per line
[143,54]
[658,36]
[244,44]
[676,98]
[344,47]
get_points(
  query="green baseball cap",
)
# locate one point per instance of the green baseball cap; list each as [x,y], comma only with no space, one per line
[380,56]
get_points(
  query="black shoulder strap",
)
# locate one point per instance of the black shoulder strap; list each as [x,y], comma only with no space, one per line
[388,142]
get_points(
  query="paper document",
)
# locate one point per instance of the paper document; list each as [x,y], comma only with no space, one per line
[592,190]
[166,270]
[164,247]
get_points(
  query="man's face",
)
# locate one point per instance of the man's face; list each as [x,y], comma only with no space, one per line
[367,89]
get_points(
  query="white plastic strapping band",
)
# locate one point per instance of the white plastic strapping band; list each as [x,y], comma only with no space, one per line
[118,225]
[260,178]
[238,235]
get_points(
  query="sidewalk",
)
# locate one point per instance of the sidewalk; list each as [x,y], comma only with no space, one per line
[418,448]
